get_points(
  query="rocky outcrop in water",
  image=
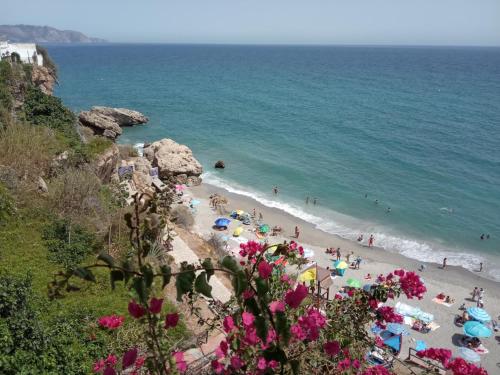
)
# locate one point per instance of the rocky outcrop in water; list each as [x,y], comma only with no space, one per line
[220,164]
[174,160]
[108,121]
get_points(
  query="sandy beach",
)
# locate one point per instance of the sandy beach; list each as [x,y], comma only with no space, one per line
[454,281]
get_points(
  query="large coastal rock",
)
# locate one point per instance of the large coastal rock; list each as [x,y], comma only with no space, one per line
[106,163]
[108,121]
[43,78]
[174,160]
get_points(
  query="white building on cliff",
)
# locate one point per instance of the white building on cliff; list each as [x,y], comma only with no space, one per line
[26,51]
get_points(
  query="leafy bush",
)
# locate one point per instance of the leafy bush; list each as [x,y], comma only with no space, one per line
[45,110]
[96,147]
[47,61]
[183,217]
[5,81]
[127,151]
[7,204]
[67,244]
[29,345]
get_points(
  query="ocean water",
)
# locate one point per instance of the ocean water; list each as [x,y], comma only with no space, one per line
[417,129]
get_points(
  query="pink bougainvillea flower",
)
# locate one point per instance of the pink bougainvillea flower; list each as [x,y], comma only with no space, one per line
[228,324]
[261,363]
[236,362]
[109,371]
[217,366]
[294,298]
[265,269]
[221,350]
[286,279]
[297,332]
[277,306]
[171,320]
[139,362]
[129,358]
[332,348]
[376,370]
[99,365]
[136,310]
[111,360]
[248,293]
[155,305]
[179,361]
[111,322]
[248,319]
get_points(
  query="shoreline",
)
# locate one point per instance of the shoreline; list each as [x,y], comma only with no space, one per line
[314,236]
[454,281]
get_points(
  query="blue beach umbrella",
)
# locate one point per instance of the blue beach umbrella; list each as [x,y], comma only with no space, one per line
[397,329]
[469,355]
[222,222]
[474,328]
[394,342]
[479,314]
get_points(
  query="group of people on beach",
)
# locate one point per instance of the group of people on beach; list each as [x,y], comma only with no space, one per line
[370,240]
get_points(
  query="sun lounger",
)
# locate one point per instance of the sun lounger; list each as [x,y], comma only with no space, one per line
[413,312]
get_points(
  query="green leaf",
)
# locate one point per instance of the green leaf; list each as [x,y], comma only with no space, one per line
[84,273]
[202,286]
[148,274]
[275,353]
[115,275]
[127,266]
[239,283]
[295,365]
[251,304]
[166,273]
[209,267]
[230,263]
[261,327]
[262,287]
[184,281]
[139,286]
[106,258]
[283,326]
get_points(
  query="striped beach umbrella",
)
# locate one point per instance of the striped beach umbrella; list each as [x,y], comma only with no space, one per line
[479,314]
[474,328]
[397,329]
[469,355]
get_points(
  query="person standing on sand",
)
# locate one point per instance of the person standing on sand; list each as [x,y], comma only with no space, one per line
[475,292]
[297,232]
[480,266]
[260,216]
[254,213]
[338,253]
[348,256]
[444,263]
[370,241]
[358,262]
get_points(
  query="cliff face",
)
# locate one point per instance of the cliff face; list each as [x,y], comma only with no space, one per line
[43,78]
[43,34]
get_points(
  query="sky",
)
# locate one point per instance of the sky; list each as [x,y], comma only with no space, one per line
[387,22]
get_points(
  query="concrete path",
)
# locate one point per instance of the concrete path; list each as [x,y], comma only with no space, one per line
[183,253]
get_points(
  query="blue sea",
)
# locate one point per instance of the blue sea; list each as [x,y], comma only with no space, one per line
[416,129]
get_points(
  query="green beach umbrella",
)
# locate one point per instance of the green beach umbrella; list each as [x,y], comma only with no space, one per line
[353,283]
[264,228]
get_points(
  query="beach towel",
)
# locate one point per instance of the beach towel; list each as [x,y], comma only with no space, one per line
[433,326]
[408,320]
[441,302]
[481,350]
[420,345]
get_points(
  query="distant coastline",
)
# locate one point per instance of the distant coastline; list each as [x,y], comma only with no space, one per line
[43,34]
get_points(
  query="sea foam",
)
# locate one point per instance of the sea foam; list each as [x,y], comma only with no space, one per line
[424,251]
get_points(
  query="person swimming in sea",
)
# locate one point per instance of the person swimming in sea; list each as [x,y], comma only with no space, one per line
[314,201]
[376,201]
[307,200]
[388,210]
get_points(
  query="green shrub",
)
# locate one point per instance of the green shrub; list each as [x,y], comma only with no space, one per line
[7,204]
[95,147]
[5,82]
[68,245]
[30,345]
[45,110]
[47,61]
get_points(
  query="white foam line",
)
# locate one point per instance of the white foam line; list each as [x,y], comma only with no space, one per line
[410,248]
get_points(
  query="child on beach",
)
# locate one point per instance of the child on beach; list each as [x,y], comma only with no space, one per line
[475,292]
[358,262]
[370,241]
[297,232]
[338,253]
